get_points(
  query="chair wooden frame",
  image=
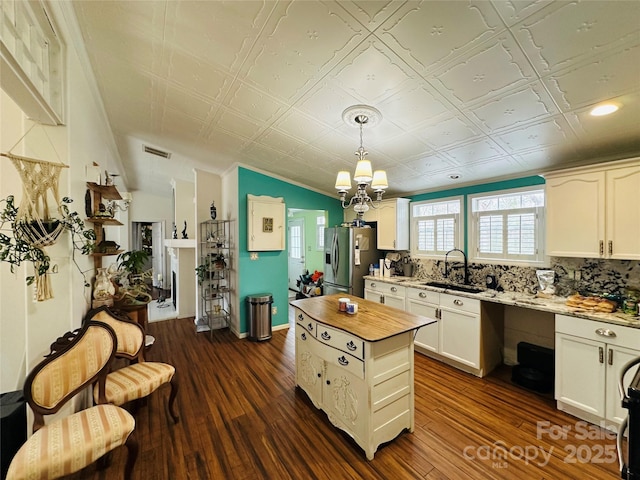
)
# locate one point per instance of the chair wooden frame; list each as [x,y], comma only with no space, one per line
[95,341]
[131,346]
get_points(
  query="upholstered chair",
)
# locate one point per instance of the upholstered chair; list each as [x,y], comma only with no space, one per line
[139,378]
[67,445]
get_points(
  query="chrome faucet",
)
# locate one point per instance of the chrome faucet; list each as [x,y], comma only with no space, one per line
[466,265]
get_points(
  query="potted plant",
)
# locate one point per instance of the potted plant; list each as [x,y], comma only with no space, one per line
[133,290]
[20,247]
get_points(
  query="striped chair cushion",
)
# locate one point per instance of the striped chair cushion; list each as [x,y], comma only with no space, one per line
[136,381]
[70,444]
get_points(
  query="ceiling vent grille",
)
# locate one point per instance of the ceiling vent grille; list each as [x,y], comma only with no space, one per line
[156,152]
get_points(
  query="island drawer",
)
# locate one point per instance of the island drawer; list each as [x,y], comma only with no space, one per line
[341,340]
[345,361]
[306,322]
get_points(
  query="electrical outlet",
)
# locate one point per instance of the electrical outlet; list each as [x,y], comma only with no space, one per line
[253,256]
[571,274]
[274,310]
[577,275]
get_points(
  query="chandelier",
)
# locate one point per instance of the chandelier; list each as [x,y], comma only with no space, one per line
[360,115]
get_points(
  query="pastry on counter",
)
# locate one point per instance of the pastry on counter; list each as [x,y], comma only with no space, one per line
[595,304]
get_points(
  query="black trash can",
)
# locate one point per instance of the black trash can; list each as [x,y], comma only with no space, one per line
[259,307]
[13,408]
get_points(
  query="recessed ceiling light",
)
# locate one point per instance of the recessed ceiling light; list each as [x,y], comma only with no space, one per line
[604,109]
[454,176]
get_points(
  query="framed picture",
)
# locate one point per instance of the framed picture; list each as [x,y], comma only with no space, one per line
[267,224]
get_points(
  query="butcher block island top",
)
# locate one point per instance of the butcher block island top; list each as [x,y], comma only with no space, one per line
[373,321]
[358,368]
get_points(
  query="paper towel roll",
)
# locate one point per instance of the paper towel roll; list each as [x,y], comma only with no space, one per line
[382,269]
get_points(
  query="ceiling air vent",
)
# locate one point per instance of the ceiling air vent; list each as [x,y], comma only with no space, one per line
[156,152]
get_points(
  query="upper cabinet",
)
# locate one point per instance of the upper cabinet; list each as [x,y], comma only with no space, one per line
[595,212]
[393,224]
[265,223]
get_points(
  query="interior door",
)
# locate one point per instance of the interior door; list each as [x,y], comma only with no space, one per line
[296,251]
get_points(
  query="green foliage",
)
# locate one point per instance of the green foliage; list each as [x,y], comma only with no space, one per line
[133,261]
[15,249]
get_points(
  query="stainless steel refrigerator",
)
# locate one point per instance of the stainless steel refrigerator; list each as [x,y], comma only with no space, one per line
[348,252]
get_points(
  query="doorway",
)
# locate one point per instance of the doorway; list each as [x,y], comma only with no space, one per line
[149,237]
[306,243]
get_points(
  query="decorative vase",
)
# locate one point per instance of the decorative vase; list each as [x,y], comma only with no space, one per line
[103,289]
[213,211]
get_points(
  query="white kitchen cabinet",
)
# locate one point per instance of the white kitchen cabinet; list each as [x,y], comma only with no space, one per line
[370,215]
[366,388]
[425,303]
[265,223]
[385,293]
[460,329]
[393,224]
[594,212]
[589,356]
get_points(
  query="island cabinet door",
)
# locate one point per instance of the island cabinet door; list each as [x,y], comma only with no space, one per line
[309,367]
[346,401]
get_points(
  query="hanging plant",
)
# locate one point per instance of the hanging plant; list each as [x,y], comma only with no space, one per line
[19,247]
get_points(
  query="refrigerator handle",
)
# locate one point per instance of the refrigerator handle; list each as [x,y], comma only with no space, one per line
[335,257]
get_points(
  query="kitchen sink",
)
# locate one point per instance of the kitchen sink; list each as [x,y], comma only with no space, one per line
[454,286]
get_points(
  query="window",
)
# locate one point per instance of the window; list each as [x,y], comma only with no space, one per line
[320,224]
[435,227]
[295,239]
[508,226]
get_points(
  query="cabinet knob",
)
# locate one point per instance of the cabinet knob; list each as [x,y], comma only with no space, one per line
[422,295]
[310,327]
[300,316]
[458,302]
[373,285]
[328,382]
[303,336]
[605,332]
[319,375]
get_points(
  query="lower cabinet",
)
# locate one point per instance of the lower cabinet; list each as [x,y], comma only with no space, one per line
[425,303]
[365,388]
[589,357]
[469,334]
[386,293]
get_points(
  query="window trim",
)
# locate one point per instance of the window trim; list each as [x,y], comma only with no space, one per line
[541,258]
[459,228]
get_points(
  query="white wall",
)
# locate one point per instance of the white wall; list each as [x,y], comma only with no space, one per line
[27,327]
[228,210]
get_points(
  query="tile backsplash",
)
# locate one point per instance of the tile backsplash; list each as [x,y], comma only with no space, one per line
[595,275]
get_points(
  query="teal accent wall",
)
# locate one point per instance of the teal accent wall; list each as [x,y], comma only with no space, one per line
[475,189]
[269,273]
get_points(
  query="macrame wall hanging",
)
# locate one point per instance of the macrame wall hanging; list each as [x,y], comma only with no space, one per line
[36,223]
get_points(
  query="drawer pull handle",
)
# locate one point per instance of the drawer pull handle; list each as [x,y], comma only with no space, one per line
[458,302]
[610,356]
[351,346]
[394,289]
[422,295]
[343,361]
[310,327]
[610,247]
[300,317]
[601,354]
[303,336]
[605,332]
[373,285]
[325,336]
[601,247]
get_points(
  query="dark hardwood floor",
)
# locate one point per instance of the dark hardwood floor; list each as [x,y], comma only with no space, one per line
[241,417]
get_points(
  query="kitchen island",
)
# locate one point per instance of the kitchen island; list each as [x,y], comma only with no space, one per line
[358,368]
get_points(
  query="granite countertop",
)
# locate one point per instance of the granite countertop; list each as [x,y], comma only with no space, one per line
[554,304]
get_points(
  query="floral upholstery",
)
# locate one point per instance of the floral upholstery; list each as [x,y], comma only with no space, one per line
[70,444]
